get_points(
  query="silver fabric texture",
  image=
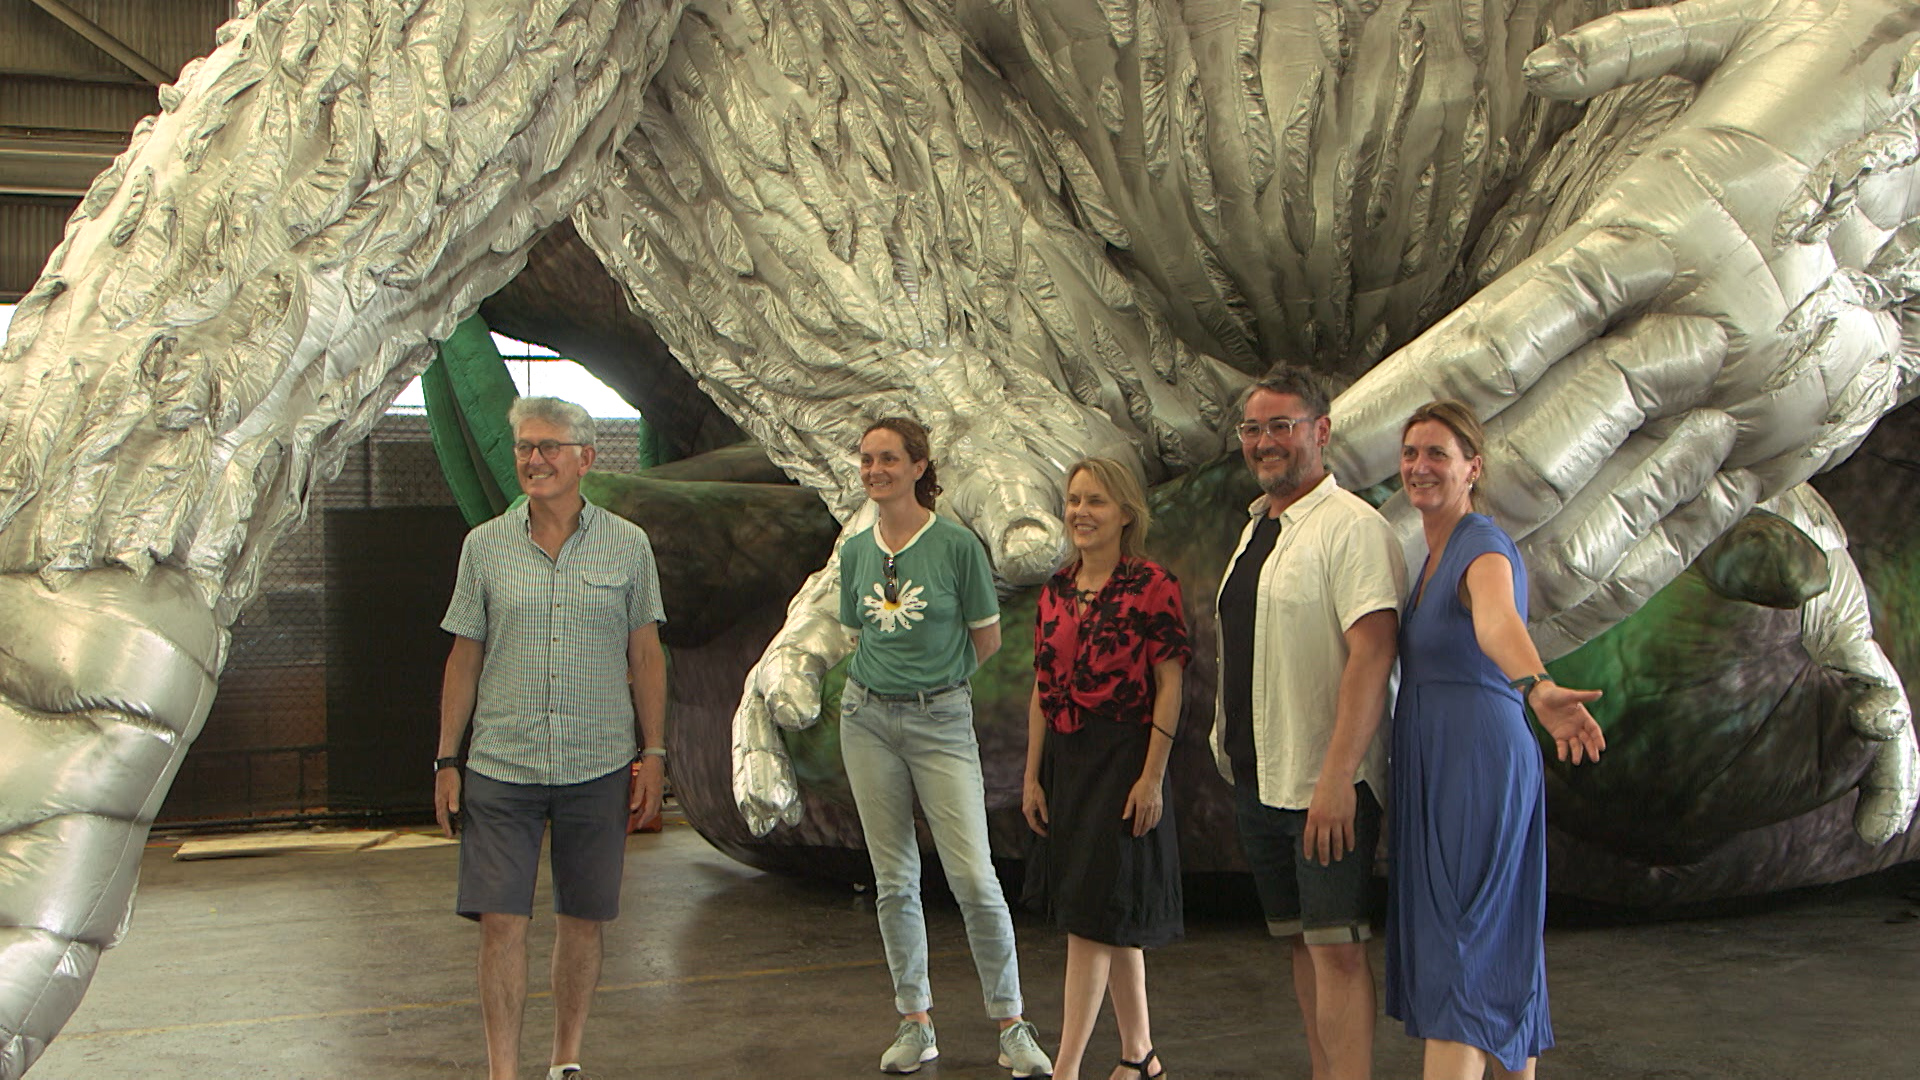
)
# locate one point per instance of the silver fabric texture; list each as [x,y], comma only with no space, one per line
[1046,228]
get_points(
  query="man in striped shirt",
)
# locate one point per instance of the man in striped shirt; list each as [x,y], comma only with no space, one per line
[556,658]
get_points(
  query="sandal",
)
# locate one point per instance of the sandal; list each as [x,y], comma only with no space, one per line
[1146,1059]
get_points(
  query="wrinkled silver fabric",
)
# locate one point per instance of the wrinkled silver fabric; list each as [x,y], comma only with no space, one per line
[233,306]
[1684,300]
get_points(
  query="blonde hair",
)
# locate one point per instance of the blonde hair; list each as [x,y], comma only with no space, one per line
[1127,493]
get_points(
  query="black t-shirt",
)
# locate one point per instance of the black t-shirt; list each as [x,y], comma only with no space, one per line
[1238,600]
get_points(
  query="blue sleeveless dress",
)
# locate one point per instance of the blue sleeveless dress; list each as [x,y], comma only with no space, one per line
[1467,891]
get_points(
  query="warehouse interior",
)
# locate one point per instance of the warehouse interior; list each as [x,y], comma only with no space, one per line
[349,963]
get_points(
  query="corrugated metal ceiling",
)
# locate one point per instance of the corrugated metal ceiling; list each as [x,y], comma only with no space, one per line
[67,104]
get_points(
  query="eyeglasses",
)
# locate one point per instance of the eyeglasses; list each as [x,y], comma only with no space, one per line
[891,588]
[1279,427]
[524,450]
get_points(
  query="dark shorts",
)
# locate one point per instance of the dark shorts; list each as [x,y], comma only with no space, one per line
[1325,905]
[501,826]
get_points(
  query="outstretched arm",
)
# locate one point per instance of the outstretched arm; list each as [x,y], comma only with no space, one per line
[1502,636]
[1719,316]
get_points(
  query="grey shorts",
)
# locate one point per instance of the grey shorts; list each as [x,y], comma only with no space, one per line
[1325,905]
[501,826]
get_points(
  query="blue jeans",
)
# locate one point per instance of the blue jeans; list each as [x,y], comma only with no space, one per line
[893,749]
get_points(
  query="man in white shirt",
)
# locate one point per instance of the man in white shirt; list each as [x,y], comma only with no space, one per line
[1308,618]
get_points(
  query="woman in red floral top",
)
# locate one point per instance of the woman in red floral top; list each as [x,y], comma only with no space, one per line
[1109,646]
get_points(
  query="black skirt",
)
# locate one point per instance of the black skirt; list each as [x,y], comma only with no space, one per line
[1090,875]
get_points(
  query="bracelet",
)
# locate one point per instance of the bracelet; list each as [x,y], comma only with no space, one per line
[1525,685]
[1161,730]
[452,762]
[654,751]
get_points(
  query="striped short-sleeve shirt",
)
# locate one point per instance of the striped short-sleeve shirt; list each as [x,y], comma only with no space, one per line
[553,705]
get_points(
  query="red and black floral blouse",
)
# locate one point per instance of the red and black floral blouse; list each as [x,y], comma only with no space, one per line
[1097,664]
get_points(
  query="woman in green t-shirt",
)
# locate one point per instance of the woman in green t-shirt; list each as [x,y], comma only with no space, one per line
[918,593]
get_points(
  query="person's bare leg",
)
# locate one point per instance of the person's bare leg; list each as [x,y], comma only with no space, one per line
[1344,1009]
[503,990]
[1127,986]
[1303,990]
[1449,1060]
[1501,1072]
[1087,963]
[576,971]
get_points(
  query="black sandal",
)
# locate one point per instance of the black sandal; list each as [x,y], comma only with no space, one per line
[1146,1059]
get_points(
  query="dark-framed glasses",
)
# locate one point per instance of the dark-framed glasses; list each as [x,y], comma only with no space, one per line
[891,587]
[1279,427]
[524,450]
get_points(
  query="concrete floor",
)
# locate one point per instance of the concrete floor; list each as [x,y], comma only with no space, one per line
[351,966]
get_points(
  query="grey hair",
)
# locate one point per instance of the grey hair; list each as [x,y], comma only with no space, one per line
[553,410]
[1300,382]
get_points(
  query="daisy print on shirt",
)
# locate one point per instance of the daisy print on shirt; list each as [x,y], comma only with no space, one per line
[890,617]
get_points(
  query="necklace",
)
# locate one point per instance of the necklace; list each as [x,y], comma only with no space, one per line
[1083,604]
[1086,597]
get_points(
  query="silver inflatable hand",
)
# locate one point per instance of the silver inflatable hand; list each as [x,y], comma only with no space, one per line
[783,691]
[1837,630]
[1005,493]
[234,305]
[93,734]
[1717,311]
[834,213]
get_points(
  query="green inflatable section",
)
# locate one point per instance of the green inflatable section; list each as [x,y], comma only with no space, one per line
[468,392]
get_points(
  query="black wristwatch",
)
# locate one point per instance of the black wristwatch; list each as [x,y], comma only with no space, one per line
[445,763]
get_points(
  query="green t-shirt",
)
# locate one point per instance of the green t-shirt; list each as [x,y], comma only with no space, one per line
[945,590]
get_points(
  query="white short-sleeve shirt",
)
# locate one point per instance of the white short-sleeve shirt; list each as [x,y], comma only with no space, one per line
[1336,560]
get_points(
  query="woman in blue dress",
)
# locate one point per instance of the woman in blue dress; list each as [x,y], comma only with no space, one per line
[1467,896]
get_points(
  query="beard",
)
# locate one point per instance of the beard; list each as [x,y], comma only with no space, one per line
[1289,479]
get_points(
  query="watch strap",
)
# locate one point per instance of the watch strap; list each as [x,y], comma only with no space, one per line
[1526,683]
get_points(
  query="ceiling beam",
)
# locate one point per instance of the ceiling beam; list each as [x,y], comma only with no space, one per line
[61,166]
[105,41]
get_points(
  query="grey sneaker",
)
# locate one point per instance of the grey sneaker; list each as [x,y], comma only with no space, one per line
[1020,1051]
[912,1047]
